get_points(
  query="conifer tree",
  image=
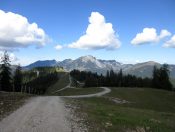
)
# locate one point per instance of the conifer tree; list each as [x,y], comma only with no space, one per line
[18,79]
[5,75]
[164,77]
[156,76]
[161,78]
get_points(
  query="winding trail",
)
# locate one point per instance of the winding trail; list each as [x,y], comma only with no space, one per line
[106,90]
[44,114]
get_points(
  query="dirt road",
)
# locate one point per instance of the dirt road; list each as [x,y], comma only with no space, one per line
[105,91]
[39,114]
[44,114]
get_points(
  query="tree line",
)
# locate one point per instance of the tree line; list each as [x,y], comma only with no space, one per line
[160,79]
[35,81]
[40,84]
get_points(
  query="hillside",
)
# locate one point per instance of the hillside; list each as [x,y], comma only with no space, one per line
[128,109]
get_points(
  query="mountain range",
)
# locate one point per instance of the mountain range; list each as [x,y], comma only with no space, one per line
[90,63]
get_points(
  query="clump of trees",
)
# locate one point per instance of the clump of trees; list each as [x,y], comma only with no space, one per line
[159,80]
[5,73]
[18,79]
[8,82]
[40,84]
[35,81]
[111,79]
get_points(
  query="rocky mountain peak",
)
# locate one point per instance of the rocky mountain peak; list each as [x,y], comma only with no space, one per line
[88,58]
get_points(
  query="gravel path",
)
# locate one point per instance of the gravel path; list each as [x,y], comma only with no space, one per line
[106,90]
[44,114]
[39,114]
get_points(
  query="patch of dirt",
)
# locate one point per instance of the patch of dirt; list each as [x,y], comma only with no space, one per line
[117,100]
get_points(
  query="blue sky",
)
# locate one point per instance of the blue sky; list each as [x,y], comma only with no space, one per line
[64,22]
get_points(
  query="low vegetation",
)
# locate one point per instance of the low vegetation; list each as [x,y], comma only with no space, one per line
[144,109]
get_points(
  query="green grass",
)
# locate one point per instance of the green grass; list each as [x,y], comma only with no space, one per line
[10,102]
[61,83]
[149,109]
[59,69]
[78,91]
[152,99]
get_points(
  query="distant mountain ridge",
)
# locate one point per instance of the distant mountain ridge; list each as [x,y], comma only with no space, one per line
[90,63]
[41,64]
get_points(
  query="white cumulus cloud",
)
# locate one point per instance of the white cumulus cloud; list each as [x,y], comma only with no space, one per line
[99,35]
[58,47]
[16,31]
[164,33]
[170,43]
[149,35]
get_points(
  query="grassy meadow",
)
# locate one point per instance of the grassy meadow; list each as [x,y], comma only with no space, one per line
[144,109]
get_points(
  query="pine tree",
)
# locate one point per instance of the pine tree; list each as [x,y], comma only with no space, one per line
[164,77]
[107,81]
[18,79]
[156,77]
[120,78]
[161,78]
[5,75]
[112,78]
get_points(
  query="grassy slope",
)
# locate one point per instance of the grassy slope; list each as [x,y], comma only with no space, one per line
[152,99]
[10,102]
[79,91]
[64,81]
[149,110]
[61,83]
